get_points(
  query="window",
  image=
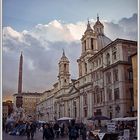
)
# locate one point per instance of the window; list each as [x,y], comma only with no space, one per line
[116,94]
[115,75]
[114,56]
[98,98]
[131,94]
[98,95]
[129,59]
[130,74]
[98,112]
[75,109]
[108,77]
[65,68]
[108,59]
[85,112]
[109,93]
[85,45]
[92,44]
[85,68]
[114,53]
[85,99]
[69,112]
[101,97]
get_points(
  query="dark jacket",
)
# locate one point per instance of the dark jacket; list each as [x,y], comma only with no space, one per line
[56,127]
[28,128]
[73,131]
[47,134]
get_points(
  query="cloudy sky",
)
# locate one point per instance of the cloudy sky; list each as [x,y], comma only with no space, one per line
[42,28]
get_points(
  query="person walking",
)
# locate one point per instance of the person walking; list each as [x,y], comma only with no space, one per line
[33,128]
[84,132]
[46,133]
[73,131]
[28,130]
[51,131]
[56,129]
[62,128]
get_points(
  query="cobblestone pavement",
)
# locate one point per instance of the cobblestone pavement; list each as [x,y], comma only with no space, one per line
[38,136]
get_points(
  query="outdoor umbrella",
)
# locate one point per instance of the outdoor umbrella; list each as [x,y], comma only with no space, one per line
[65,119]
[98,117]
[125,119]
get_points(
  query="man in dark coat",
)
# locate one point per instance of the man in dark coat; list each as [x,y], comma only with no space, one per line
[46,133]
[56,129]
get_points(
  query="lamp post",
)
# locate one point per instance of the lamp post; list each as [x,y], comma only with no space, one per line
[117,108]
[48,116]
[55,115]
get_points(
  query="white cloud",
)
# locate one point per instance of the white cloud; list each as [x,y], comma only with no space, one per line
[42,50]
[125,28]
[54,31]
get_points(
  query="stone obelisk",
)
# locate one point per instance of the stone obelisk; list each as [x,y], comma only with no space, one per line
[20,74]
[19,96]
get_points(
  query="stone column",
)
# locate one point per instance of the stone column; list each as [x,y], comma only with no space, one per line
[90,112]
[81,107]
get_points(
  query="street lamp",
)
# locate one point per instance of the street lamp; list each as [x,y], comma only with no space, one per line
[117,108]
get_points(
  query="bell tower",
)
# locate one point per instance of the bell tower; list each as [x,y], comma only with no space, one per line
[98,27]
[87,40]
[64,75]
[102,39]
[89,45]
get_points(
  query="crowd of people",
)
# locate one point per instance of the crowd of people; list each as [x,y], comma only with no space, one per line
[72,130]
[50,131]
[55,130]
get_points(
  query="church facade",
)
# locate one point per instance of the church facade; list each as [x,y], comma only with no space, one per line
[104,85]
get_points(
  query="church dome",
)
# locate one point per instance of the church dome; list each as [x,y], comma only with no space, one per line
[103,41]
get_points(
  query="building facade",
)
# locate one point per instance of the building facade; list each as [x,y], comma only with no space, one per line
[29,102]
[44,108]
[4,111]
[135,82]
[7,109]
[104,86]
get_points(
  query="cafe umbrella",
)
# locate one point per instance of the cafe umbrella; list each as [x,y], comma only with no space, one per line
[65,119]
[98,118]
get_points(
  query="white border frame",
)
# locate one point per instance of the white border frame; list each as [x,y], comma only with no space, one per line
[138,58]
[138,72]
[1,70]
